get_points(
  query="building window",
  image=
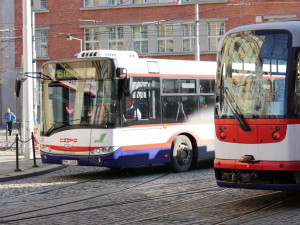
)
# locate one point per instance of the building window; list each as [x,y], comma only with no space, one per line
[165,38]
[115,41]
[41,43]
[215,30]
[91,39]
[188,37]
[115,2]
[140,39]
[43,4]
[139,1]
[91,3]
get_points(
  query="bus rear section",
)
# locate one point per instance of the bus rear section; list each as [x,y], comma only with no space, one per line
[123,111]
[256,110]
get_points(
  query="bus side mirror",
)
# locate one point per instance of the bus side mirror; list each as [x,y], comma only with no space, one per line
[18,84]
[127,86]
[121,71]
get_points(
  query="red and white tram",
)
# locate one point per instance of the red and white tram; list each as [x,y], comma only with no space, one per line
[257,116]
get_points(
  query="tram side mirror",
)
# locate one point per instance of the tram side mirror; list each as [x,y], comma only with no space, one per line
[18,84]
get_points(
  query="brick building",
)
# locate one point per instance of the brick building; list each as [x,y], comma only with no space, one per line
[153,28]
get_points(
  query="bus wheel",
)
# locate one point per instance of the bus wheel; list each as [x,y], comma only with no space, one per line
[182,154]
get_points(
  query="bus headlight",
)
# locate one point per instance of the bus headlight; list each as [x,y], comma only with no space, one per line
[45,149]
[104,150]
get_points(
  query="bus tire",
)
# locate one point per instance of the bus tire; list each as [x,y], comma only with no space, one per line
[182,154]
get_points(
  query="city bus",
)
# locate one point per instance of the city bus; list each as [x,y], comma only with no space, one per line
[113,109]
[257,113]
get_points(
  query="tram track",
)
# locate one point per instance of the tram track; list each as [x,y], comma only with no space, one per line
[98,207]
[240,219]
[105,193]
[165,212]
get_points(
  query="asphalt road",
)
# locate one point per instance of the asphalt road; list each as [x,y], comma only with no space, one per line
[141,195]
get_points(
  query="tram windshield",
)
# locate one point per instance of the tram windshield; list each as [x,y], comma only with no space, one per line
[252,74]
[80,93]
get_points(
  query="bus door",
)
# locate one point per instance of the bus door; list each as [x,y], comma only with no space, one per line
[142,122]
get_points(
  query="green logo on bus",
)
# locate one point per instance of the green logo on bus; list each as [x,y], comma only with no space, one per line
[101,139]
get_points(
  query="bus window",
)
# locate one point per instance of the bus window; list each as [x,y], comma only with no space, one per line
[177,109]
[145,95]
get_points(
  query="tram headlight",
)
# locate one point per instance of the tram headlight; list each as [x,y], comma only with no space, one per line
[276,136]
[222,135]
[104,150]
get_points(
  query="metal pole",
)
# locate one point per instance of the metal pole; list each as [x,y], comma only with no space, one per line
[6,126]
[17,154]
[27,67]
[33,150]
[197,45]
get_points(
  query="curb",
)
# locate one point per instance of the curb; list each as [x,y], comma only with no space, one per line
[31,174]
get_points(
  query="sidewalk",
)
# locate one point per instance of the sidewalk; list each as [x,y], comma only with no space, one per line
[8,163]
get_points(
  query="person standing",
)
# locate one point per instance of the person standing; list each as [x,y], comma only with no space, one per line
[10,118]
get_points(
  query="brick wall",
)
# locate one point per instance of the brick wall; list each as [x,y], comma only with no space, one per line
[63,16]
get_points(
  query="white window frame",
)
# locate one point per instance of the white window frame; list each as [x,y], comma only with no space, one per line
[214,34]
[188,35]
[43,43]
[140,39]
[116,38]
[165,38]
[94,38]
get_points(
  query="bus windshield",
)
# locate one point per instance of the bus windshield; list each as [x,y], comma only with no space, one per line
[91,100]
[252,74]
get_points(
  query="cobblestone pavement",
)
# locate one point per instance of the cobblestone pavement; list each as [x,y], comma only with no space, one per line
[142,195]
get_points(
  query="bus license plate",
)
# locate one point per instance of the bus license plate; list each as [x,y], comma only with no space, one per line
[70,162]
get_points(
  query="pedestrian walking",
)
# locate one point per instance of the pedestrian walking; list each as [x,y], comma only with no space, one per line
[10,118]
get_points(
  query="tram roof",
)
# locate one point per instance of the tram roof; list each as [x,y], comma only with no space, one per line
[292,26]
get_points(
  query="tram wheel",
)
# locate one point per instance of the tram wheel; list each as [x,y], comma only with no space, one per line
[182,154]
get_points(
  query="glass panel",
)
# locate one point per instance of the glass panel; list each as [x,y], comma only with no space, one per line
[161,46]
[144,46]
[187,86]
[169,45]
[178,109]
[171,86]
[253,74]
[143,106]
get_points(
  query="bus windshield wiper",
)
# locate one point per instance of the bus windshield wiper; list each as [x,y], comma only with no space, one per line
[61,123]
[237,115]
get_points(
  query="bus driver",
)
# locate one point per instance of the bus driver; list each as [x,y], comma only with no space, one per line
[132,112]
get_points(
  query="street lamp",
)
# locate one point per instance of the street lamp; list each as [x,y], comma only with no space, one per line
[70,38]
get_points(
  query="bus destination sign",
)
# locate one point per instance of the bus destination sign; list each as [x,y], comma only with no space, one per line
[62,74]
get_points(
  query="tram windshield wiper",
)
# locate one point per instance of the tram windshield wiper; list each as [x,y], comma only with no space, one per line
[235,111]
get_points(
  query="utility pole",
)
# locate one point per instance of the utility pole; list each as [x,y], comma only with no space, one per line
[27,120]
[197,46]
